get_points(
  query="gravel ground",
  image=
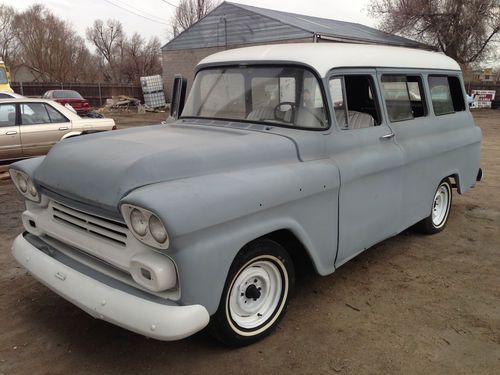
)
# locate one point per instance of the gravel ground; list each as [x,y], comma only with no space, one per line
[412,304]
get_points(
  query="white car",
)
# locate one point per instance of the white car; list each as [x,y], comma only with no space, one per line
[10,95]
[30,127]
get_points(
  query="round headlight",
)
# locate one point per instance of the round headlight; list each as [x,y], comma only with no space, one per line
[22,182]
[32,189]
[157,229]
[138,222]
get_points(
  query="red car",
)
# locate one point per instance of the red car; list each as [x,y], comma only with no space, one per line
[70,97]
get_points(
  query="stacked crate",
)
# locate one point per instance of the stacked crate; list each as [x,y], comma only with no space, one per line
[152,87]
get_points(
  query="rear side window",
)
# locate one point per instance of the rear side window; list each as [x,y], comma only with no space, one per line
[446,94]
[404,97]
[54,115]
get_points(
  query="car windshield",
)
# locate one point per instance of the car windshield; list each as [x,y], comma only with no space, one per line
[285,96]
[66,94]
[3,76]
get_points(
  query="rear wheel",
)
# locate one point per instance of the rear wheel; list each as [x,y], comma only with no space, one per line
[440,210]
[256,294]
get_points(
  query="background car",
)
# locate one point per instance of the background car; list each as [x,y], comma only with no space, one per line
[9,95]
[30,127]
[71,97]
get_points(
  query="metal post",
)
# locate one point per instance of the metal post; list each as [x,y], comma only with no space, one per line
[21,87]
[100,96]
[225,32]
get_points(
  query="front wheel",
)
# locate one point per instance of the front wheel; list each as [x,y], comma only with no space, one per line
[440,210]
[256,294]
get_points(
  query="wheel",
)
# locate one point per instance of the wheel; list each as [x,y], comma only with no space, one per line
[256,294]
[440,210]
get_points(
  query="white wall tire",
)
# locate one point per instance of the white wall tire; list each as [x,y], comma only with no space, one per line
[256,294]
[440,209]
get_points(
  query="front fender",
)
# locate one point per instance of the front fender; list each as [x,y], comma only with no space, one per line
[191,204]
[210,218]
[28,166]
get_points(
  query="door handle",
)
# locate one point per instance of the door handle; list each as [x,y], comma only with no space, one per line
[387,136]
[12,132]
[63,128]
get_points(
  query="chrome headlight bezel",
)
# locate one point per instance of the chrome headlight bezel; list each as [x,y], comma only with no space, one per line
[24,184]
[147,238]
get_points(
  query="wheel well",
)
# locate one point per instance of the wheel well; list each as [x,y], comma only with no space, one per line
[294,247]
[455,181]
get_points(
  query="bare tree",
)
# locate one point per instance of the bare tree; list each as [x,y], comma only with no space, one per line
[141,58]
[108,39]
[189,12]
[48,45]
[8,40]
[466,30]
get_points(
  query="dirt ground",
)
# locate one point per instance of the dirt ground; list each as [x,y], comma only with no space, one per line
[128,119]
[411,305]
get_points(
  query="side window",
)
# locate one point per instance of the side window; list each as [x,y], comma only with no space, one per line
[446,95]
[4,96]
[336,86]
[404,97]
[354,104]
[34,113]
[7,115]
[54,115]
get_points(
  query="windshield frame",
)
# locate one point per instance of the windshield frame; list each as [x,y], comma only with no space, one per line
[256,64]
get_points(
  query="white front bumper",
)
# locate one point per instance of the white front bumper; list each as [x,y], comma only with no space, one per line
[159,321]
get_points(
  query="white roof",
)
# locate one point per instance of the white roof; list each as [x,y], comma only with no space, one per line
[325,56]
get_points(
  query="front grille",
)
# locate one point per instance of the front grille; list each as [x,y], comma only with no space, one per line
[109,230]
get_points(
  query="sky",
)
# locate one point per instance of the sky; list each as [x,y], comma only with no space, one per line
[152,17]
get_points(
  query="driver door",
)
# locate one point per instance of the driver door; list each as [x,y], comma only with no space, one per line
[10,137]
[370,164]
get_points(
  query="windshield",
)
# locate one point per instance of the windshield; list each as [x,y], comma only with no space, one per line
[66,94]
[3,76]
[287,96]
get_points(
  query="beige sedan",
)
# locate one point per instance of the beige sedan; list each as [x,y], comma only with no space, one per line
[30,127]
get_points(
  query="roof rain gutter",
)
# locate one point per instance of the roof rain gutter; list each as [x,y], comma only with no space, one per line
[317,37]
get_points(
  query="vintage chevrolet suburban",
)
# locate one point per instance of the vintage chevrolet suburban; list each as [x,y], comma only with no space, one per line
[280,153]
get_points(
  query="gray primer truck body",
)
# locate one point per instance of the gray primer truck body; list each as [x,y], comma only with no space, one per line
[219,184]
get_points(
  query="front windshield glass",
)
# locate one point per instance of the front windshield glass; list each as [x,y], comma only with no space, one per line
[3,76]
[286,96]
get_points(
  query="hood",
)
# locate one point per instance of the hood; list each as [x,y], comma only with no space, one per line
[102,168]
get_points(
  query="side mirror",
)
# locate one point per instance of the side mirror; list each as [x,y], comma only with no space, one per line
[178,96]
